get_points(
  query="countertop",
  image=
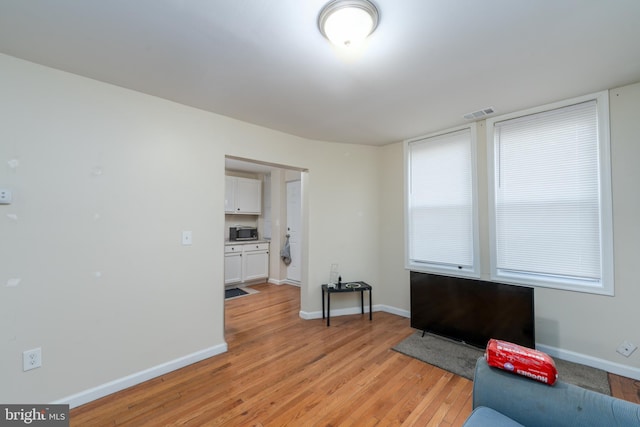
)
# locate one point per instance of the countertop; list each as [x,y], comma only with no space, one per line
[244,242]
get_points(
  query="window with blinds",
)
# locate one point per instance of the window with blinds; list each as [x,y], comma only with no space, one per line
[551,220]
[441,203]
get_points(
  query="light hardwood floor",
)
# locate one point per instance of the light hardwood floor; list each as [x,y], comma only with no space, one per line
[282,370]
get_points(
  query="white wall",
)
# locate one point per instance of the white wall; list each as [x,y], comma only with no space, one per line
[104,181]
[575,326]
[343,221]
[394,294]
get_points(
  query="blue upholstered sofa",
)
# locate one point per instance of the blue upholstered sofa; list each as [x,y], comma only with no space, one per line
[502,399]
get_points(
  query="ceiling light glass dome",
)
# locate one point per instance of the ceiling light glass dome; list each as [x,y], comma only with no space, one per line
[347,23]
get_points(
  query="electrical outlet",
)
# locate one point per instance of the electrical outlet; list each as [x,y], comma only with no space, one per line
[5,196]
[31,359]
[626,348]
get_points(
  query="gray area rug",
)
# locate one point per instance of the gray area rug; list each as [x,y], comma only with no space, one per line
[460,359]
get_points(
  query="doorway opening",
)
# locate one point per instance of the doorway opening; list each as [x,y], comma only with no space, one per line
[281,221]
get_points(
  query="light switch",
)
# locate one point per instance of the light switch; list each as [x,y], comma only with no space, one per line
[186,238]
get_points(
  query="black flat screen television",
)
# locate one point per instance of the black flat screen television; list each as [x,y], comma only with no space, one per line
[472,311]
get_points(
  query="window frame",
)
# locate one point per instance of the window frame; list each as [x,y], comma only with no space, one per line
[605,286]
[440,268]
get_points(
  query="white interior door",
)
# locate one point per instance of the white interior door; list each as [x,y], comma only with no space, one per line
[294,223]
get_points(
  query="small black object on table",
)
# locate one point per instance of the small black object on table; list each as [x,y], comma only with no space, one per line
[346,287]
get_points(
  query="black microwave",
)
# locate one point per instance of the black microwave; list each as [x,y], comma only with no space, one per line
[243,233]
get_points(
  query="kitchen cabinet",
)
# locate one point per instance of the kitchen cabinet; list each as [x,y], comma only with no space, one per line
[255,261]
[246,262]
[229,195]
[243,196]
[232,264]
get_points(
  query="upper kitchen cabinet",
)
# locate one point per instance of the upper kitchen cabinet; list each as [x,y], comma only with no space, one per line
[243,196]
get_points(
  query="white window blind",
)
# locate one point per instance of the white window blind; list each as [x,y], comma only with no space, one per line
[441,203]
[548,196]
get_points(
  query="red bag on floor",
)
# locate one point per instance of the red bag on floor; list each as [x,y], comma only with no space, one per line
[521,360]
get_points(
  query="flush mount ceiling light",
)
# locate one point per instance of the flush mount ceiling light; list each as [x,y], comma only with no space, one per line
[347,23]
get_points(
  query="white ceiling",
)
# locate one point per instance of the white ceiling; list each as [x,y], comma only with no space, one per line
[265,62]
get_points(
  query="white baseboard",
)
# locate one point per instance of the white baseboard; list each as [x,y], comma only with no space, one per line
[335,312]
[283,282]
[594,362]
[392,310]
[291,282]
[140,377]
[308,315]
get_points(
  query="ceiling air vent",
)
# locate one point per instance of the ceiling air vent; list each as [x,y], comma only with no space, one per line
[479,114]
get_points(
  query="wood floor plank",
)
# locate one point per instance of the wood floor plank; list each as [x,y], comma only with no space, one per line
[625,388]
[281,370]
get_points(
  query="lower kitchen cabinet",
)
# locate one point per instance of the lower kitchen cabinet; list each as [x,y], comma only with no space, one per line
[245,262]
[232,265]
[255,261]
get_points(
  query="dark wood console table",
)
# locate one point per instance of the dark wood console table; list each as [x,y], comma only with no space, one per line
[346,287]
